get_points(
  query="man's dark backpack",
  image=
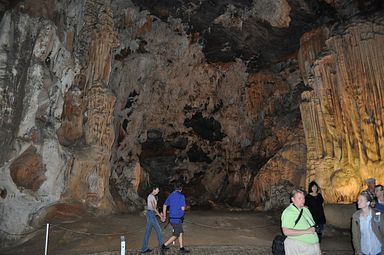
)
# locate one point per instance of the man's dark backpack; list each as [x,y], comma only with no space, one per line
[278,241]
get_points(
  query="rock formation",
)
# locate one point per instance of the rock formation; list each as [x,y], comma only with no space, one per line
[343,114]
[211,125]
[36,71]
[92,117]
[57,111]
[99,99]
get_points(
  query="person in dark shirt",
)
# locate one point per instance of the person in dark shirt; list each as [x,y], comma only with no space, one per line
[314,201]
[378,204]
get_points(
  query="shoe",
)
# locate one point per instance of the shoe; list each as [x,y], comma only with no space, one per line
[183,250]
[163,247]
[146,251]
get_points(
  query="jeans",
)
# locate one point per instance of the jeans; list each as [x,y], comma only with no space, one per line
[375,254]
[152,223]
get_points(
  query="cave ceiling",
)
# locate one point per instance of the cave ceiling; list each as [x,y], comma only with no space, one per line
[245,34]
[259,32]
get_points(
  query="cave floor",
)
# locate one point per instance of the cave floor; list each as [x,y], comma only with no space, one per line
[206,232]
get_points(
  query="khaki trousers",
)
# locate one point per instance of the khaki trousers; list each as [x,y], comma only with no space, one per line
[295,247]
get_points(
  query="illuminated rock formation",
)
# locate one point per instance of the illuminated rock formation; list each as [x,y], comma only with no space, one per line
[57,114]
[343,114]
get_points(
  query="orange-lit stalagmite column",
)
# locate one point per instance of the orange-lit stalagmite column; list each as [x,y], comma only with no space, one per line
[343,116]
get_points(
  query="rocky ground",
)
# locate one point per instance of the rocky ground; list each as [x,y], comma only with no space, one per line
[206,232]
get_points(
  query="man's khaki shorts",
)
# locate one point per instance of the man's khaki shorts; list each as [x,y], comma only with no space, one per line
[296,247]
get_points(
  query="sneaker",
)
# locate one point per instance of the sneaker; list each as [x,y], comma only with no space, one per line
[163,247]
[146,251]
[183,250]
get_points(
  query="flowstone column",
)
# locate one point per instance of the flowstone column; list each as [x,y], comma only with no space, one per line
[343,115]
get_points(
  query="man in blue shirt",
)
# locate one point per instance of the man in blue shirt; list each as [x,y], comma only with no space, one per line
[176,204]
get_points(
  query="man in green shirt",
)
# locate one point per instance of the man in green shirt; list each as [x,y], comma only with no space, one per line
[301,235]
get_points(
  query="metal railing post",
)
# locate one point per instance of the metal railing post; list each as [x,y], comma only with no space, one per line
[46,239]
[122,245]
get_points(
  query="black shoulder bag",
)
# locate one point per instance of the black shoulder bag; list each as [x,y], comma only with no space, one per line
[278,241]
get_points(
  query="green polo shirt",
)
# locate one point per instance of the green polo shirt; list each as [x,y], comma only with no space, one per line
[288,218]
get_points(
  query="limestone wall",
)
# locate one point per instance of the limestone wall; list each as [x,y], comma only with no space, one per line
[56,112]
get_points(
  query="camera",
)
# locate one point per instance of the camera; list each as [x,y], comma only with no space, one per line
[317,229]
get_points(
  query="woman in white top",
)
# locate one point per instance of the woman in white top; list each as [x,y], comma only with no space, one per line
[152,222]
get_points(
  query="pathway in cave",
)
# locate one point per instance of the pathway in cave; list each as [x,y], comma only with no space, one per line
[206,232]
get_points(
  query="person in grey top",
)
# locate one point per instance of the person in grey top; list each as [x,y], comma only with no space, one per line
[371,183]
[152,222]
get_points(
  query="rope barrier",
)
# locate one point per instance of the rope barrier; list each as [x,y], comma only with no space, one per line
[25,233]
[97,234]
[71,230]
[59,226]
[224,228]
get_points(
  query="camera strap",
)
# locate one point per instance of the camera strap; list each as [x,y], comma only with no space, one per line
[298,218]
[309,223]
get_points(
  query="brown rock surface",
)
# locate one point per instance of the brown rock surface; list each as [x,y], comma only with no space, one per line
[27,170]
[276,12]
[284,151]
[212,126]
[72,123]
